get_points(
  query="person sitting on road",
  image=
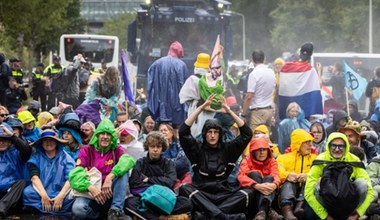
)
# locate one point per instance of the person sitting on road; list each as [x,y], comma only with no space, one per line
[212,161]
[259,171]
[104,154]
[337,150]
[13,156]
[49,168]
[154,169]
[31,132]
[293,169]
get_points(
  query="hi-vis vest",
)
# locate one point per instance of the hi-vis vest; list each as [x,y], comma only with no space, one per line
[53,69]
[17,73]
[38,75]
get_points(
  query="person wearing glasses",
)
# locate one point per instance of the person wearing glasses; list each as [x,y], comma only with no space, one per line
[353,132]
[3,113]
[293,169]
[337,150]
[319,133]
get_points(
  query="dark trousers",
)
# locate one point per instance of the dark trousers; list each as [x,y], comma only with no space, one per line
[41,97]
[12,197]
[264,202]
[132,204]
[291,192]
[51,100]
[213,204]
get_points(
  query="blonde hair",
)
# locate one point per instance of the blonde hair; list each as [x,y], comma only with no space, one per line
[4,109]
[292,105]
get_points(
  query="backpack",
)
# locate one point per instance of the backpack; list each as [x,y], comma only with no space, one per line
[160,199]
[375,94]
[339,195]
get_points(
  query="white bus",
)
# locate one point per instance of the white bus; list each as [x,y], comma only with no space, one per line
[96,48]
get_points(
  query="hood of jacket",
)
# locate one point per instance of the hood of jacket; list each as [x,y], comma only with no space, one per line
[333,136]
[212,124]
[105,126]
[338,115]
[297,137]
[176,50]
[263,129]
[259,143]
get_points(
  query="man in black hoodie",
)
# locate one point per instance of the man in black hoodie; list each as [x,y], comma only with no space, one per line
[340,119]
[212,161]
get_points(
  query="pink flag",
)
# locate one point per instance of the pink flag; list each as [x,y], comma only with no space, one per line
[216,63]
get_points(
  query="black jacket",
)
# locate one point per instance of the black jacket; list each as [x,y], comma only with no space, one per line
[212,166]
[160,172]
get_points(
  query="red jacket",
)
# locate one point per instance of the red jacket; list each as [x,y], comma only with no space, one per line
[265,168]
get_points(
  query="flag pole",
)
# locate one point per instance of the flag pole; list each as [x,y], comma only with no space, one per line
[347,104]
[126,109]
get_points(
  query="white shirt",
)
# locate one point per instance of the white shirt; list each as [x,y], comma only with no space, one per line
[261,82]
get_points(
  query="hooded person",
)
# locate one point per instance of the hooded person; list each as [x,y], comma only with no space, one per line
[13,156]
[263,131]
[69,128]
[128,139]
[109,158]
[319,133]
[337,150]
[30,132]
[295,119]
[340,119]
[49,168]
[165,78]
[293,169]
[43,119]
[259,171]
[212,161]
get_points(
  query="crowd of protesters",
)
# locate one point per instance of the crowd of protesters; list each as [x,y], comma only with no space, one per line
[81,152]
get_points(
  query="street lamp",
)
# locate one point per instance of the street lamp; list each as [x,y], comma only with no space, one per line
[243,18]
[370,27]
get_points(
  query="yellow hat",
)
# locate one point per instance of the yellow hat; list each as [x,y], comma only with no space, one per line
[203,61]
[25,117]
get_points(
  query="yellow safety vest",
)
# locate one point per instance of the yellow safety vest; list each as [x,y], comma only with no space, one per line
[53,69]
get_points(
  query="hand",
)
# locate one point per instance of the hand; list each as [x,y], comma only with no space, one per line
[225,108]
[353,216]
[46,205]
[57,203]
[264,188]
[207,103]
[319,67]
[329,218]
[98,196]
[107,187]
[145,180]
[6,131]
[302,178]
[292,177]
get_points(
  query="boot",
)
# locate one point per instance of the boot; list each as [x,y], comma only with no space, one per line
[299,211]
[273,215]
[260,215]
[287,212]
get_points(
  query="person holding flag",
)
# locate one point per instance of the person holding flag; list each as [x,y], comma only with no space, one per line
[299,82]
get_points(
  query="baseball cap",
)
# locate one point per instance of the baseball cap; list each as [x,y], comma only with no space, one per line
[306,51]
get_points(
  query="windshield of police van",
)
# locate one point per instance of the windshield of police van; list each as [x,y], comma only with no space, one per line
[94,49]
[194,38]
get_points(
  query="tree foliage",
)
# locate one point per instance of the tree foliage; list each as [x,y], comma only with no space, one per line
[119,27]
[38,24]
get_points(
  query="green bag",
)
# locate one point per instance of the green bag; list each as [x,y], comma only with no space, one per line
[159,199]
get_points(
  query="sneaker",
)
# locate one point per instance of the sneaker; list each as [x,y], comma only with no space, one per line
[113,214]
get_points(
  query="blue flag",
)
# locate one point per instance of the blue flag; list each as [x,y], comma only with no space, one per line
[127,85]
[354,82]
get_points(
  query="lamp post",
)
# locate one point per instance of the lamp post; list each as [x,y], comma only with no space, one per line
[243,19]
[370,45]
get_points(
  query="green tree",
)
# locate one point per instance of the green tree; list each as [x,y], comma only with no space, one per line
[118,26]
[37,25]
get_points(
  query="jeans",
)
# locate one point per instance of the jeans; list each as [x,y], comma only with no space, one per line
[88,208]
